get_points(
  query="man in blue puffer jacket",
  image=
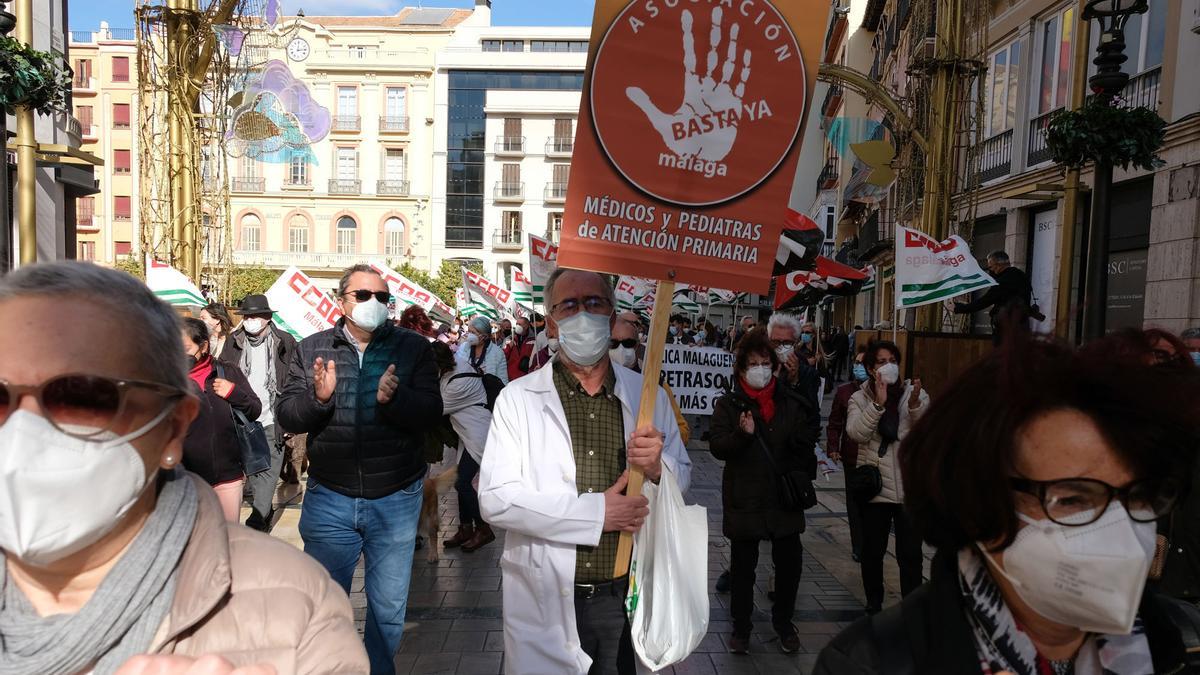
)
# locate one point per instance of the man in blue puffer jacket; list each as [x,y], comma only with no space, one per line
[364,391]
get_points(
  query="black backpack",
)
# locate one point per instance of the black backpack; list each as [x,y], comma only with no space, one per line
[491,384]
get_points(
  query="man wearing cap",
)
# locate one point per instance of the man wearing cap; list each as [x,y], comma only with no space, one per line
[263,351]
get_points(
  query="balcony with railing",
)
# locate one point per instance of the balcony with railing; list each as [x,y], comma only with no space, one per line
[350,124]
[83,84]
[1036,150]
[285,259]
[392,188]
[833,99]
[249,184]
[509,192]
[995,156]
[556,192]
[508,239]
[828,179]
[1143,90]
[393,124]
[560,147]
[510,145]
[74,131]
[345,186]
[85,215]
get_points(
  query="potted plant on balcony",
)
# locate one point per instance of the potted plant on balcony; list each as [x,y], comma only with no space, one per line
[1101,131]
[32,78]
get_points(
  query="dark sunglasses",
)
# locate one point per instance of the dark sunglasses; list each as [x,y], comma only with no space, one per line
[629,343]
[82,406]
[363,295]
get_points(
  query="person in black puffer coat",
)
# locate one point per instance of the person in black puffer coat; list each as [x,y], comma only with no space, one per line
[365,392]
[758,412]
[211,449]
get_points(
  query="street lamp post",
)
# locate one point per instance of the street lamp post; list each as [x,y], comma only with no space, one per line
[1106,84]
[7,23]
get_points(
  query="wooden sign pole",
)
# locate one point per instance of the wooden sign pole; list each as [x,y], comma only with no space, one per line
[651,369]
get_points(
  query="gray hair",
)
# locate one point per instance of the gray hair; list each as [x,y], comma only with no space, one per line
[786,321]
[1190,334]
[557,273]
[1000,257]
[351,271]
[156,324]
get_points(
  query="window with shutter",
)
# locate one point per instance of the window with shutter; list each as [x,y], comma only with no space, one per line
[347,236]
[121,161]
[120,115]
[120,69]
[122,208]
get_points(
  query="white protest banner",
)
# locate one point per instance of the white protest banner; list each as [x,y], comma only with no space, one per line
[462,301]
[697,376]
[491,299]
[929,271]
[172,286]
[300,307]
[522,288]
[543,259]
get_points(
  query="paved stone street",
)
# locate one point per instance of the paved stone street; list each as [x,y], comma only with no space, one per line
[454,615]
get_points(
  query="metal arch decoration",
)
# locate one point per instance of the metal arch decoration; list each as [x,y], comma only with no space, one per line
[874,93]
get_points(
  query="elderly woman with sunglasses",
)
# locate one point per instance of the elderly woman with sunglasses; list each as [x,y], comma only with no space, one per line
[1039,476]
[114,558]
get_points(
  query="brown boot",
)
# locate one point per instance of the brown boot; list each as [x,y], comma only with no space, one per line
[483,537]
[465,533]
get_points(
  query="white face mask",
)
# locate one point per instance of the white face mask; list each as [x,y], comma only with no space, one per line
[1089,577]
[552,343]
[626,356]
[369,315]
[758,376]
[472,339]
[888,373]
[584,337]
[254,326]
[50,504]
[784,351]
[518,329]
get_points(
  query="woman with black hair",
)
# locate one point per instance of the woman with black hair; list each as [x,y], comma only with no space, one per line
[879,416]
[216,318]
[1039,476]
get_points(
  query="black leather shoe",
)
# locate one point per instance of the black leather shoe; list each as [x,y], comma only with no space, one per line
[723,582]
[739,644]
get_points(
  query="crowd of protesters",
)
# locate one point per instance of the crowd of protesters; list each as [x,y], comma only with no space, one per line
[1053,483]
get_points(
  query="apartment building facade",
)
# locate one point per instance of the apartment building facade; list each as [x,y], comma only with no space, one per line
[1154,260]
[363,192]
[104,101]
[507,106]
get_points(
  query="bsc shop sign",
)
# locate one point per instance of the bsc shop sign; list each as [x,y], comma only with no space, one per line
[689,137]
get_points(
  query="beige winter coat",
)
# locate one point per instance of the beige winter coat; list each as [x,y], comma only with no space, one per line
[862,425]
[253,599]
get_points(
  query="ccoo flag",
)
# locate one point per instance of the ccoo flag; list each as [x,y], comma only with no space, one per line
[928,271]
[171,286]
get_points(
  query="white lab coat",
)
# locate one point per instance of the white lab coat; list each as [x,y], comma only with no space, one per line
[527,486]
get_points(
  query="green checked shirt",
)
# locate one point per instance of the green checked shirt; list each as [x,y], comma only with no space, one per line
[598,443]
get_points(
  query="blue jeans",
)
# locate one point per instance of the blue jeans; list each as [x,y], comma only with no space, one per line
[336,529]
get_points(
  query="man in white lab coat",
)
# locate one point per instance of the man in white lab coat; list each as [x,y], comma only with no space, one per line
[553,476]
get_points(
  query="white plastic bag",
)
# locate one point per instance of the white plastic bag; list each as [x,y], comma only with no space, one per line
[668,578]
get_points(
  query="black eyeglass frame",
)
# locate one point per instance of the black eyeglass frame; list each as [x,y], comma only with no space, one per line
[1039,489]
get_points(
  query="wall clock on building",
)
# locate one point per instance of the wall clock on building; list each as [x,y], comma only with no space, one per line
[298,49]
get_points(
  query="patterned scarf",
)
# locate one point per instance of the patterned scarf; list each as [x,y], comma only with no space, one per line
[267,338]
[1003,646]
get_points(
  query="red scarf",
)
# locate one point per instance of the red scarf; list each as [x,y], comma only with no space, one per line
[200,372]
[765,397]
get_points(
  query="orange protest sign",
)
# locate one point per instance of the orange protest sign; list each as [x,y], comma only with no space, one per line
[689,135]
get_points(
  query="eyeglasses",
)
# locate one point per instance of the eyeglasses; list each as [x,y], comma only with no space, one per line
[776,344]
[628,343]
[363,295]
[82,406]
[593,304]
[1081,501]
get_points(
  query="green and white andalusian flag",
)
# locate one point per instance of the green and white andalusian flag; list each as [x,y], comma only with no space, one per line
[928,271]
[522,288]
[543,259]
[171,286]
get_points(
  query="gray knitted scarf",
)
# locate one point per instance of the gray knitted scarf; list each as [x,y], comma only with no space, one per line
[122,617]
[266,337]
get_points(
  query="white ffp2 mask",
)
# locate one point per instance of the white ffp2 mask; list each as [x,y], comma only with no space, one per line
[758,377]
[625,356]
[888,373]
[584,337]
[1090,577]
[369,315]
[60,494]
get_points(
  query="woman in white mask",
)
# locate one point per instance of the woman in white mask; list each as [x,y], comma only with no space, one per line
[481,353]
[115,559]
[879,416]
[1039,476]
[760,431]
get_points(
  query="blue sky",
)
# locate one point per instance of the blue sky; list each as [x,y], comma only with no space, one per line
[87,14]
